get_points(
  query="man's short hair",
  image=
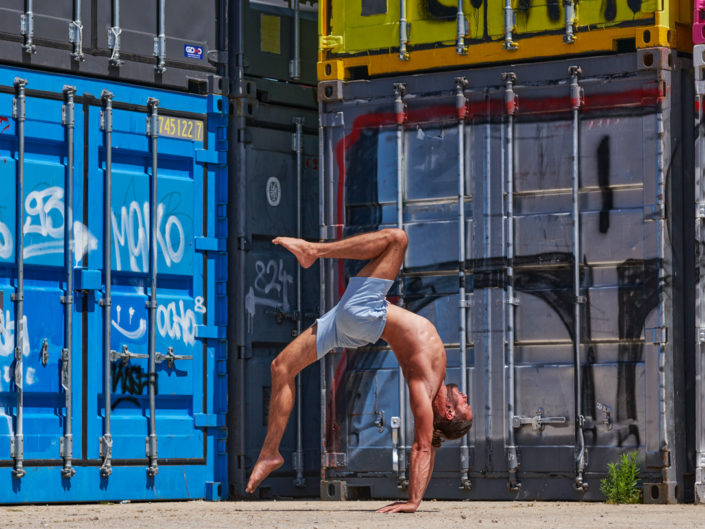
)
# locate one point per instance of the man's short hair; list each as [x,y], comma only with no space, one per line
[449,429]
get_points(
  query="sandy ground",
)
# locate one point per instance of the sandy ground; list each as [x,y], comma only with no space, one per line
[352,515]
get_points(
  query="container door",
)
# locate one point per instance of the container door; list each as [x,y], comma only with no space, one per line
[181,362]
[280,298]
[33,387]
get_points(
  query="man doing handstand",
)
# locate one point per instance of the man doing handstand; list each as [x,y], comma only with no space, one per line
[361,317]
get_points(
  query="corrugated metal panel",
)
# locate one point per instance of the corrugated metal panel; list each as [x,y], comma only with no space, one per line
[274,161]
[548,415]
[62,153]
[273,30]
[384,38]
[146,42]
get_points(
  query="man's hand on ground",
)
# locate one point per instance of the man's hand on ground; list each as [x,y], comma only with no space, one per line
[399,506]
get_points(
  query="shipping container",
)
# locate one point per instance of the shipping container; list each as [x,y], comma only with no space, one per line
[175,44]
[698,365]
[380,37]
[179,44]
[546,206]
[274,191]
[113,277]
[278,38]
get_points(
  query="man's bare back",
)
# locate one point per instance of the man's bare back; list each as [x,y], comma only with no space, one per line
[415,343]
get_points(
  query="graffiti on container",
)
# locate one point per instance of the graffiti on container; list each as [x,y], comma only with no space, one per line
[133,232]
[175,321]
[45,217]
[7,335]
[179,325]
[270,288]
[130,379]
[4,124]
[133,335]
[7,346]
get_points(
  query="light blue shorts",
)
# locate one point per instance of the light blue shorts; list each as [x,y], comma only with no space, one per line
[359,317]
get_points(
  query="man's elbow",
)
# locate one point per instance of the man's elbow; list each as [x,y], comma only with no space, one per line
[422,446]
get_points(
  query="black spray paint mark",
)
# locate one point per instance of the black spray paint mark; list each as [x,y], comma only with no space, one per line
[132,380]
[634,5]
[603,180]
[553,10]
[638,295]
[477,4]
[610,10]
[438,11]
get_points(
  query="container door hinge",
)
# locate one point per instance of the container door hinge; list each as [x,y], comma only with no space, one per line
[244,89]
[332,119]
[658,459]
[209,420]
[700,210]
[217,57]
[212,157]
[466,303]
[701,335]
[86,279]
[243,244]
[656,335]
[210,332]
[209,244]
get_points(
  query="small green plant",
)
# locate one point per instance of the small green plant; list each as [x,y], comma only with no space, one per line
[620,485]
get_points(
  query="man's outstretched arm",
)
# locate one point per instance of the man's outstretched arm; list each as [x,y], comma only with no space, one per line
[422,452]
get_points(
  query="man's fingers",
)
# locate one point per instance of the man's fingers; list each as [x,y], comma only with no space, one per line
[392,507]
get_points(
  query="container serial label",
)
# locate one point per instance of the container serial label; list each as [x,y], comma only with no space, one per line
[193,52]
[182,128]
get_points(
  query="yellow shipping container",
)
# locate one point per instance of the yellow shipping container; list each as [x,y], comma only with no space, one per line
[377,37]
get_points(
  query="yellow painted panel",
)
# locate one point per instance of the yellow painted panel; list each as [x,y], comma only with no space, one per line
[433,22]
[270,34]
[539,47]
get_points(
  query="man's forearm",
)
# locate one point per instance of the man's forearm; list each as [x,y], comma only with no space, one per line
[420,472]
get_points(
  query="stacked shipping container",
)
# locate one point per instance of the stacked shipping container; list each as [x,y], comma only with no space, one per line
[113,256]
[544,204]
[273,160]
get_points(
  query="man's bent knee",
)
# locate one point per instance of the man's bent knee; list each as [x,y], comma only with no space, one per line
[279,370]
[398,237]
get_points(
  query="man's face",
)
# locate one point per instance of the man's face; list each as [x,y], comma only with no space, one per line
[460,401]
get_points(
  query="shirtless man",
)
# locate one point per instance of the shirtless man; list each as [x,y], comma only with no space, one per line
[363,316]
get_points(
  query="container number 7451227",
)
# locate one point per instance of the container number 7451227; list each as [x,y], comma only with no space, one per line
[182,128]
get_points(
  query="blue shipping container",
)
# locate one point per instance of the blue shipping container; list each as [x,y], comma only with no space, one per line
[149,329]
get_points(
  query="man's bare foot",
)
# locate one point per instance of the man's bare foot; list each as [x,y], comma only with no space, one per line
[264,467]
[301,249]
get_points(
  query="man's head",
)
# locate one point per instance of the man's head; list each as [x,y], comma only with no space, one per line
[452,416]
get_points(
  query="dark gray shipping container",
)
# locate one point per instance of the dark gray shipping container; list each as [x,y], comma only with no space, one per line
[547,211]
[178,44]
[175,44]
[274,164]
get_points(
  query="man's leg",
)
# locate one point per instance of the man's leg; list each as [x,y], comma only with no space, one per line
[385,249]
[295,356]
